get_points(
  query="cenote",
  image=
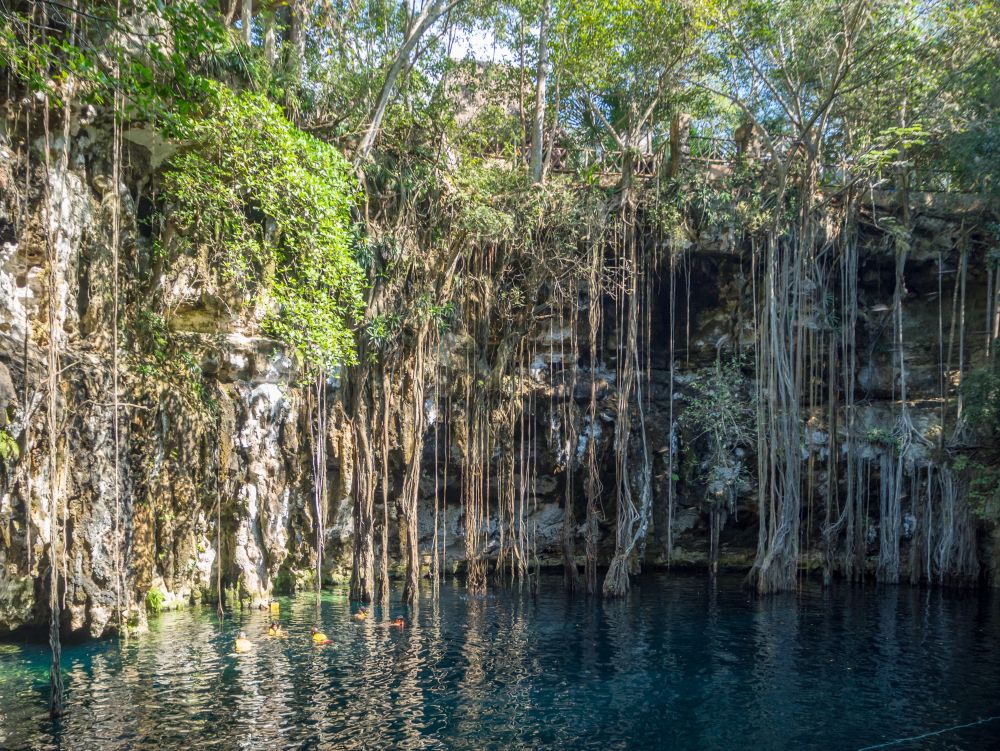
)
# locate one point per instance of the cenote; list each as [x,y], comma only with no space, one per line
[644,355]
[678,664]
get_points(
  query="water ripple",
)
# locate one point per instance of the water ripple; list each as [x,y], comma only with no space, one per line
[676,665]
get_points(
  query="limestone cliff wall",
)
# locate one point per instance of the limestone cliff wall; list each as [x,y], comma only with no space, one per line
[224,442]
[214,457]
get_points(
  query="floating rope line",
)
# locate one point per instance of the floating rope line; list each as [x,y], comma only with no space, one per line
[931,734]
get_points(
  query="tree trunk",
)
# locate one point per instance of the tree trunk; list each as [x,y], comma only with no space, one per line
[52,422]
[680,127]
[246,20]
[427,18]
[228,10]
[363,569]
[593,477]
[538,126]
[319,480]
[297,37]
[270,39]
[411,482]
[383,575]
[716,528]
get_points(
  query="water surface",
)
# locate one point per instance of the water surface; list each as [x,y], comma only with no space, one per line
[677,665]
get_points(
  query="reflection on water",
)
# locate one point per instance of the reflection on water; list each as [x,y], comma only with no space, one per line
[677,665]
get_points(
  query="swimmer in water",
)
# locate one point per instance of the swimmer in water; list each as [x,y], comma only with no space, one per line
[319,637]
[243,644]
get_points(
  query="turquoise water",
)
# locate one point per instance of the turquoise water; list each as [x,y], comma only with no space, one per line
[678,665]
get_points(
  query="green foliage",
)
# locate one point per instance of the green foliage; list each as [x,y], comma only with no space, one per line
[984,491]
[24,62]
[984,485]
[154,601]
[153,329]
[493,131]
[993,254]
[993,259]
[9,450]
[271,204]
[984,495]
[966,62]
[164,67]
[719,402]
[491,202]
[719,412]
[165,356]
[382,328]
[882,438]
[891,144]
[442,315]
[981,401]
[622,58]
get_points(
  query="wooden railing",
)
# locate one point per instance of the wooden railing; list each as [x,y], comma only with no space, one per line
[718,156]
[711,150]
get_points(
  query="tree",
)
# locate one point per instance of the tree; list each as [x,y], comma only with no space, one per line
[541,79]
[719,418]
[785,64]
[621,61]
[416,27]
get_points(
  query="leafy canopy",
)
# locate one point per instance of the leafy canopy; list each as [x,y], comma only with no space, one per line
[271,204]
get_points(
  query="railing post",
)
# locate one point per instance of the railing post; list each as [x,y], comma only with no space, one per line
[748,142]
[680,144]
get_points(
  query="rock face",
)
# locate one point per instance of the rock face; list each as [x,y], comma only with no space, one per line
[713,317]
[219,444]
[212,477]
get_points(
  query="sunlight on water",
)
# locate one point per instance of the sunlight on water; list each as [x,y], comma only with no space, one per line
[676,665]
